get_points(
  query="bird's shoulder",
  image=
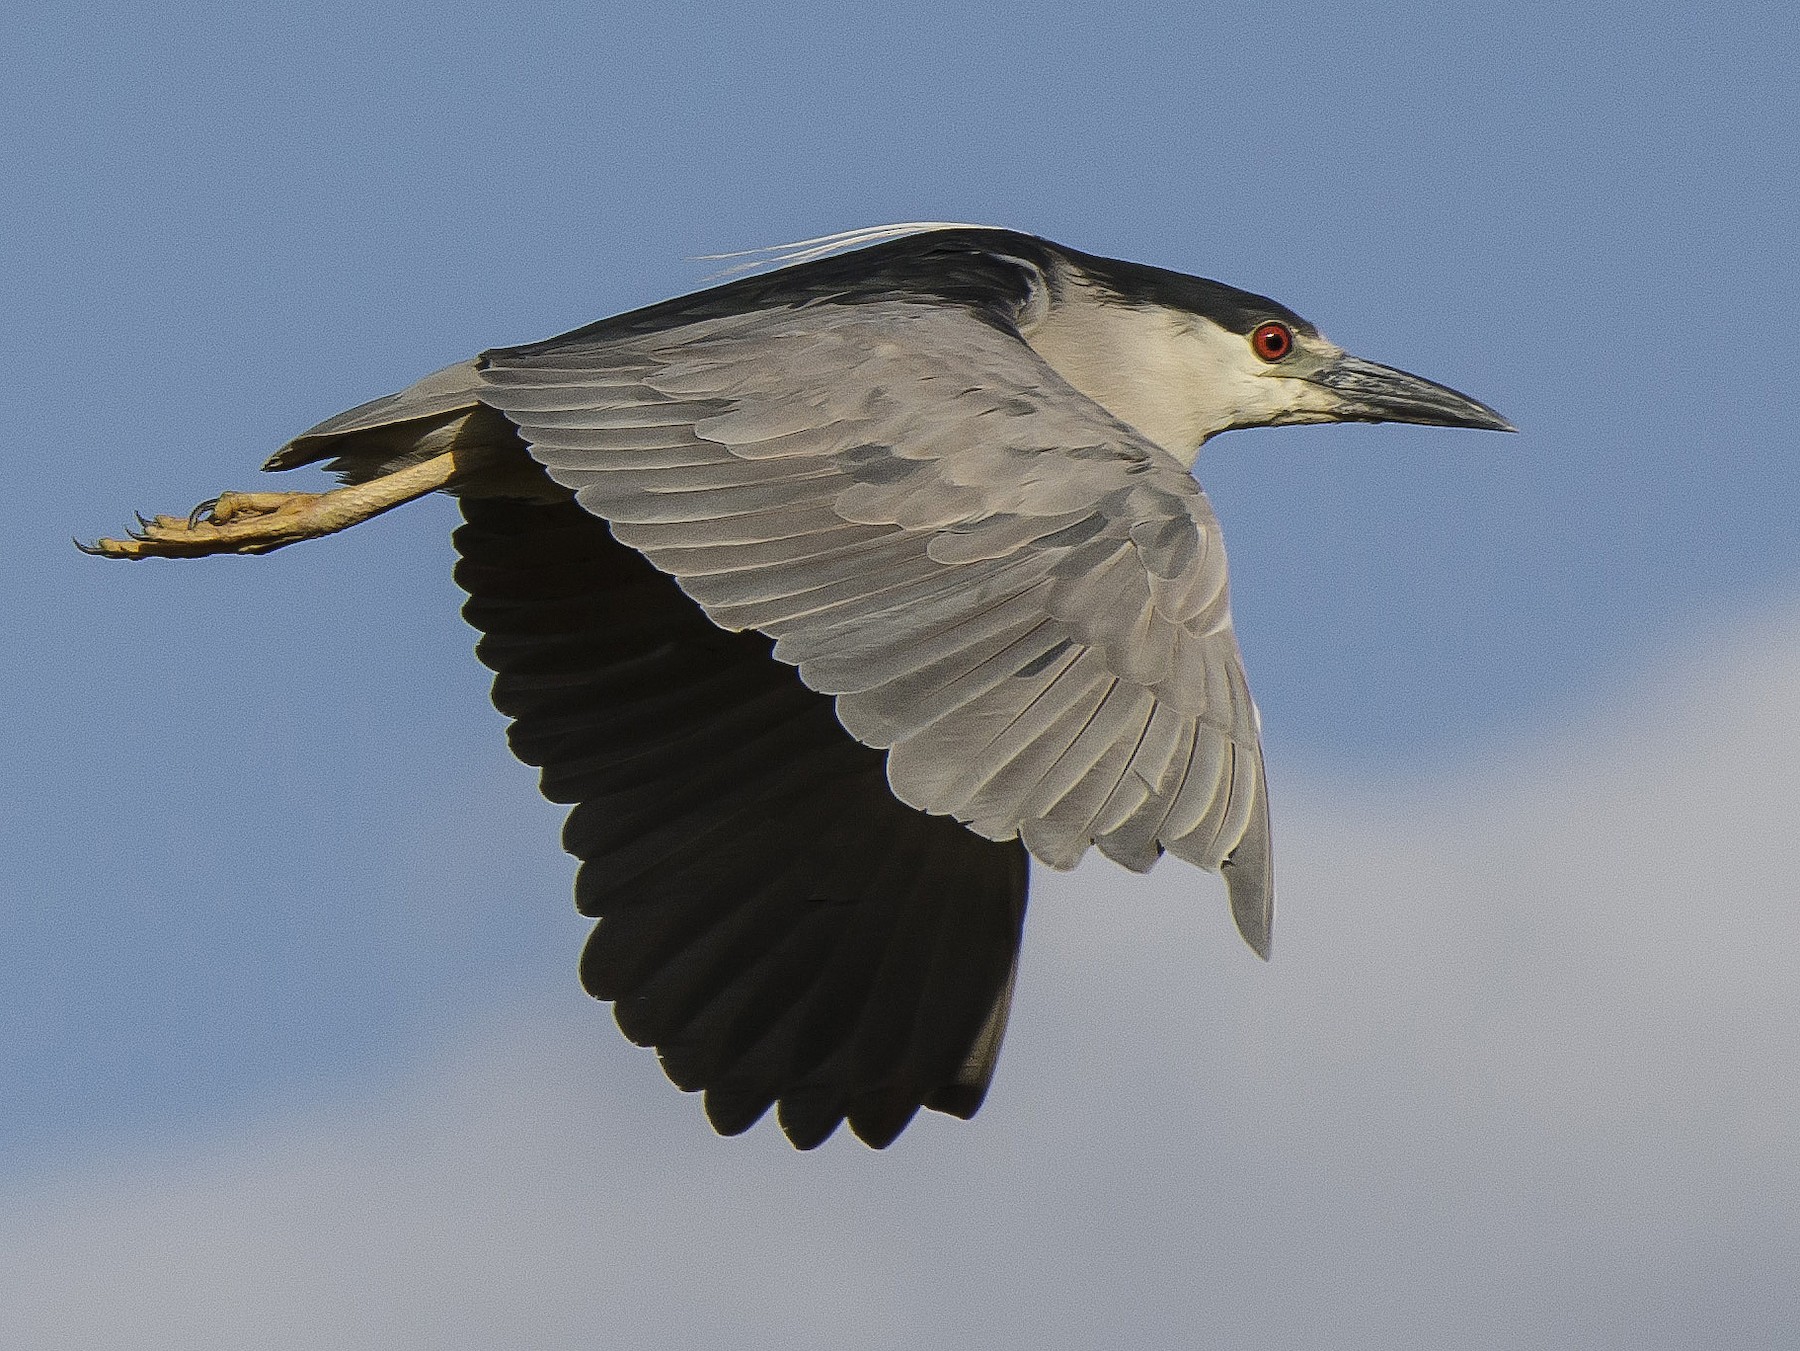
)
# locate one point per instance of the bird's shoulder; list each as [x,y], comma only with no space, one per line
[991,273]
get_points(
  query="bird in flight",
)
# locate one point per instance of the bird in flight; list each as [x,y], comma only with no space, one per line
[828,596]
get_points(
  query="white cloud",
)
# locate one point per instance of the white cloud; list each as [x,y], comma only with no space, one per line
[1521,1074]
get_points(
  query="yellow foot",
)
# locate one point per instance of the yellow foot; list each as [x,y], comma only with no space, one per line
[255,523]
[228,507]
[231,523]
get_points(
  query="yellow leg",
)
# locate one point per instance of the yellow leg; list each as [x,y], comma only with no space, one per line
[255,523]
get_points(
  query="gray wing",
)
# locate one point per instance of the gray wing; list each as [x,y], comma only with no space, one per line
[1015,594]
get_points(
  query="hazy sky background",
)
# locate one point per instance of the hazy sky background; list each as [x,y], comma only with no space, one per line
[292,1051]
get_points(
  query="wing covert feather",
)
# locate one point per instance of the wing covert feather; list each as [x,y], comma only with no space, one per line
[1015,594]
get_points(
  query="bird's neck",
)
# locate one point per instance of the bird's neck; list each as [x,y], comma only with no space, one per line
[1147,366]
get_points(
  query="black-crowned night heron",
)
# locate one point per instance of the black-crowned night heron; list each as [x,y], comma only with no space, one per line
[829,595]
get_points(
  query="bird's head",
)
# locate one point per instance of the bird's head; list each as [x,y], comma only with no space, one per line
[1281,371]
[1183,359]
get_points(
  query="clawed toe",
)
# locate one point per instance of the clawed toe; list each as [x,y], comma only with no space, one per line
[229,507]
[259,523]
[228,523]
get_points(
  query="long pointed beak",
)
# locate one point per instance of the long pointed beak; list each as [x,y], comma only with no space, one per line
[1372,393]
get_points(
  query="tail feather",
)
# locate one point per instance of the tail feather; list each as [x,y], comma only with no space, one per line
[383,435]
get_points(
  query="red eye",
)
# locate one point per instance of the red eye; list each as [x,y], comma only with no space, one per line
[1272,341]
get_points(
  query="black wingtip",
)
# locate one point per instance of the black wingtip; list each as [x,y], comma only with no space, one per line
[958,1100]
[878,1125]
[809,1120]
[734,1111]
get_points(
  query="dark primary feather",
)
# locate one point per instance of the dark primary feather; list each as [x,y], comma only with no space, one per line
[772,919]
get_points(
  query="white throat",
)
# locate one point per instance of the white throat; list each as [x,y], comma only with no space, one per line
[1171,376]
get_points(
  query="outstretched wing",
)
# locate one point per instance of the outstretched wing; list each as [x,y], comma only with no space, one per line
[1015,594]
[772,920]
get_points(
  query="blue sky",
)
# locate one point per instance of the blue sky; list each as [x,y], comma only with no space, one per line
[269,862]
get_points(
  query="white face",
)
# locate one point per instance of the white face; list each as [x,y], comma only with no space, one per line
[1176,377]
